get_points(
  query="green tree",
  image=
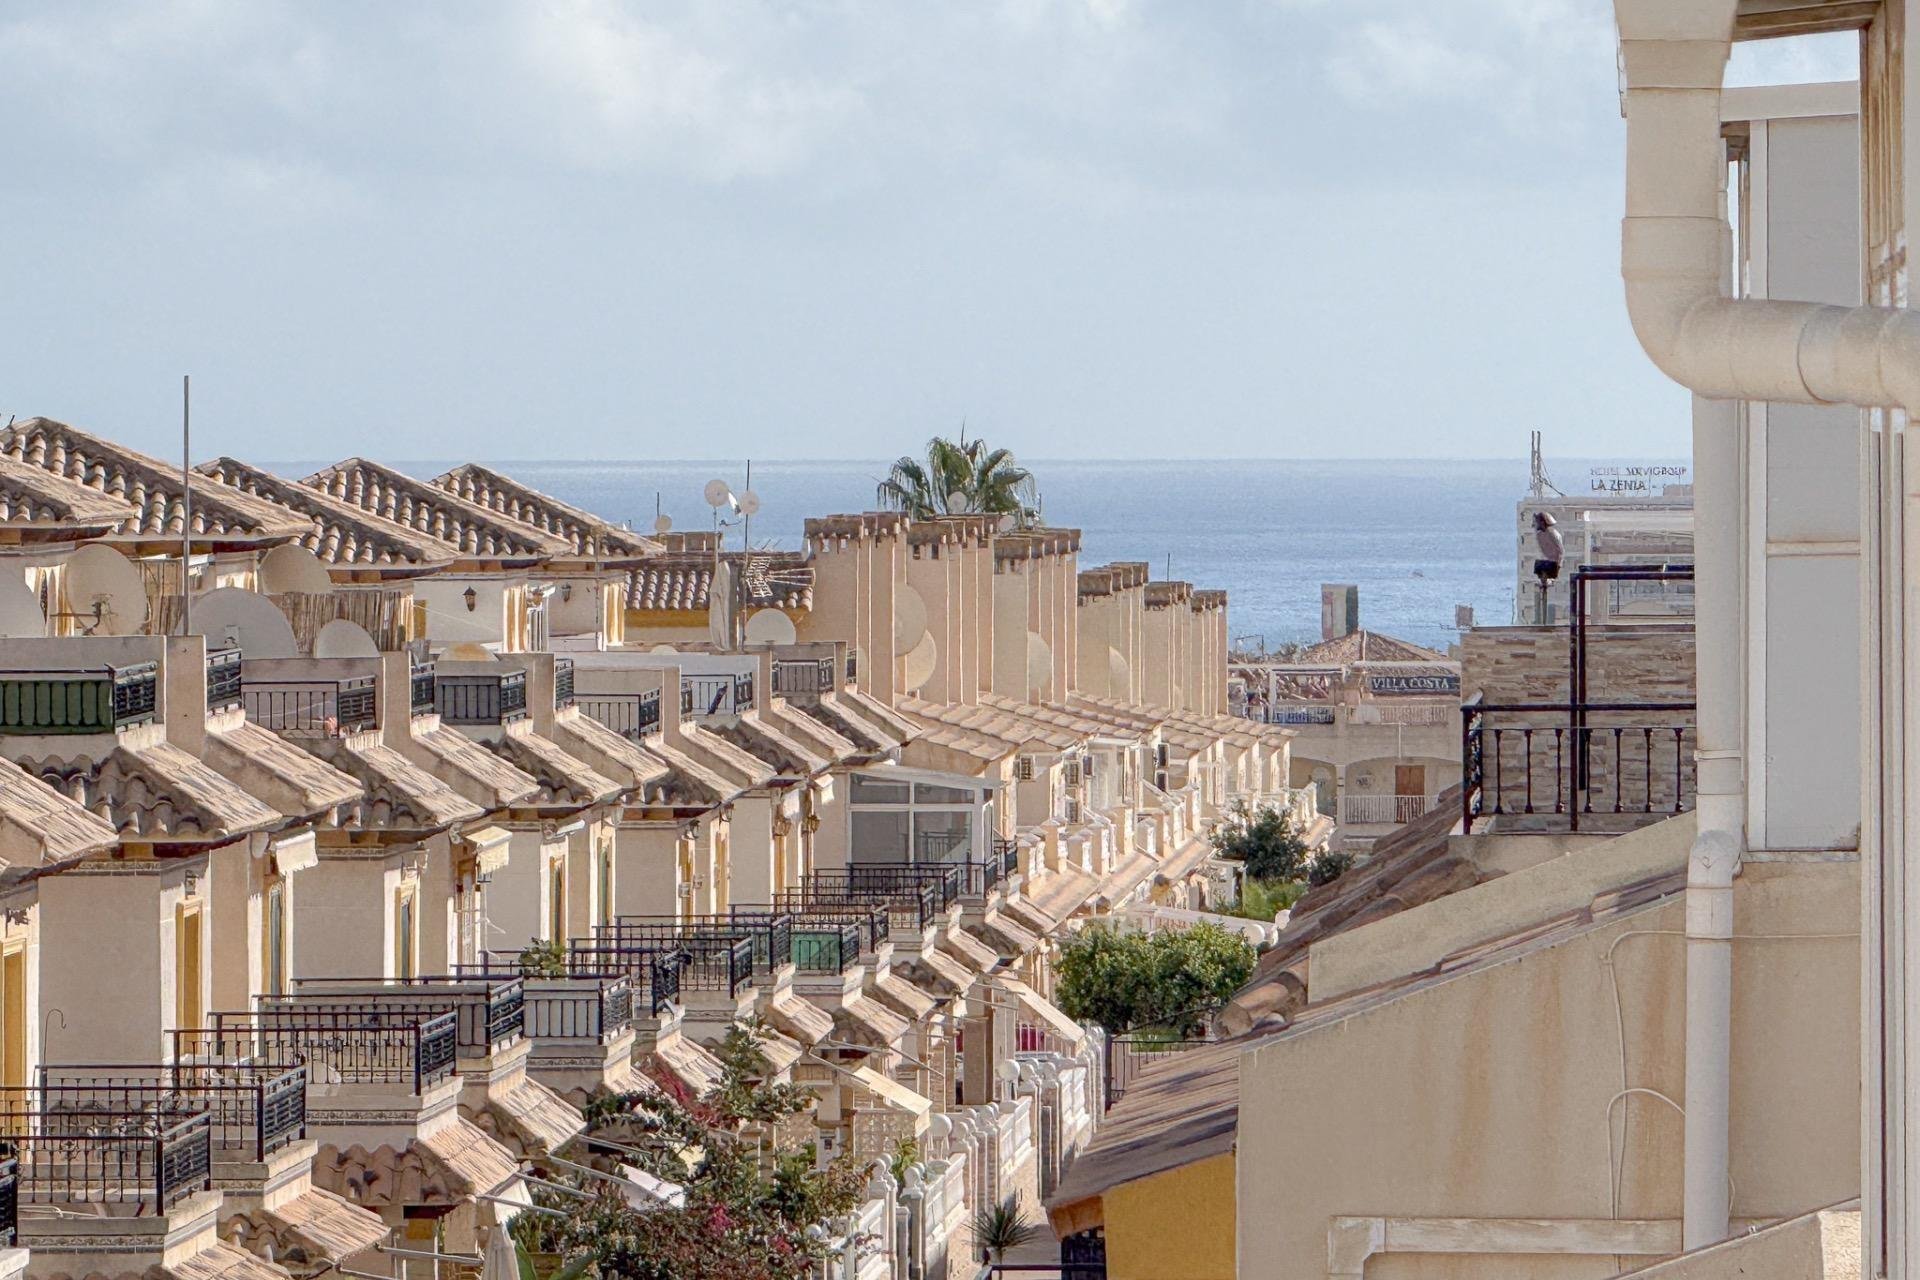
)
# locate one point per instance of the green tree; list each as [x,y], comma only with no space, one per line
[960,477]
[745,1217]
[1264,840]
[1126,981]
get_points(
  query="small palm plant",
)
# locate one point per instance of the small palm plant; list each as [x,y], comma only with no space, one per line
[1000,1227]
[961,477]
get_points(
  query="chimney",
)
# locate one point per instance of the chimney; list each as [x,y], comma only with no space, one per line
[1339,609]
[670,705]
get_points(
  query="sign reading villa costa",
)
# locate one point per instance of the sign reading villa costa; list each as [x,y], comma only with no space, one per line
[1395,684]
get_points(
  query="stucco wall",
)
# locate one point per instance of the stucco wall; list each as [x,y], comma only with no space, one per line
[1486,1094]
[1179,1223]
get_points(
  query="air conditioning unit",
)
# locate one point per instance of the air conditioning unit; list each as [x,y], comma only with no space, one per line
[685,890]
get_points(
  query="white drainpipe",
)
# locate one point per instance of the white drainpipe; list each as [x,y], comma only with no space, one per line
[1675,254]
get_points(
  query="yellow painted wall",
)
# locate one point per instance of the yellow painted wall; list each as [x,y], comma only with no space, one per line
[1176,1225]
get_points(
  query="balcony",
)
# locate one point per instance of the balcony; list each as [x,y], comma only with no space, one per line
[9,1203]
[313,707]
[223,679]
[911,906]
[654,972]
[804,677]
[489,1011]
[92,700]
[253,1111]
[771,935]
[724,694]
[478,698]
[562,683]
[824,946]
[1382,811]
[383,1046]
[153,1152]
[1575,766]
[421,699]
[870,921]
[634,716]
[948,880]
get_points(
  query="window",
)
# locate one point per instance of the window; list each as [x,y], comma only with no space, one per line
[606,882]
[405,947]
[942,836]
[934,793]
[275,951]
[557,900]
[880,835]
[867,790]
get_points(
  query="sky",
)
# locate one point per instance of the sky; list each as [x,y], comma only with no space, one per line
[598,229]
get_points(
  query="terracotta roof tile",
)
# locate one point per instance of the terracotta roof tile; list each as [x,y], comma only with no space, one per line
[1368,646]
[683,582]
[157,791]
[428,509]
[400,795]
[34,495]
[35,815]
[150,487]
[592,536]
[564,779]
[339,532]
[293,781]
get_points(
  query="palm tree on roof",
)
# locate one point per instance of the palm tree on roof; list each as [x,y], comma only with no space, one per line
[961,477]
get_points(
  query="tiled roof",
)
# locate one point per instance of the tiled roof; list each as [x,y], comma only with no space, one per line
[339,532]
[783,751]
[151,487]
[563,779]
[34,815]
[1368,646]
[591,535]
[608,750]
[34,495]
[291,780]
[433,511]
[684,582]
[399,794]
[157,791]
[474,771]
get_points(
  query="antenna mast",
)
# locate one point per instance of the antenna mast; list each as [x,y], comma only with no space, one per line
[186,505]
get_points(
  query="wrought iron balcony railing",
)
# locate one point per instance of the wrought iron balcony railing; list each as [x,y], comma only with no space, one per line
[576,1006]
[1565,763]
[68,1150]
[823,946]
[95,700]
[772,935]
[653,973]
[715,695]
[709,962]
[223,679]
[631,715]
[327,708]
[371,1046]
[491,1011]
[910,908]
[1007,850]
[869,918]
[562,683]
[255,1110]
[421,682]
[479,698]
[9,1203]
[927,889]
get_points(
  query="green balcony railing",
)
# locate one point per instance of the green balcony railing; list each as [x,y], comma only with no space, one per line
[95,700]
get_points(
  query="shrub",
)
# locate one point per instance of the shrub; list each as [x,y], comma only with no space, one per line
[1328,867]
[1124,981]
[1264,840]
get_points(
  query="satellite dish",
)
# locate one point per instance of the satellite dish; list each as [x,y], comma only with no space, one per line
[1039,665]
[1007,1071]
[909,619]
[292,567]
[231,617]
[662,524]
[1006,522]
[920,663]
[749,503]
[20,608]
[343,639]
[99,575]
[717,493]
[770,626]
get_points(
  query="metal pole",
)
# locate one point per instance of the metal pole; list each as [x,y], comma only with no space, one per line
[186,506]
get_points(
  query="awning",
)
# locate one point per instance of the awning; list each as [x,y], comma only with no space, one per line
[970,951]
[460,1162]
[1044,1012]
[489,847]
[870,1023]
[892,1093]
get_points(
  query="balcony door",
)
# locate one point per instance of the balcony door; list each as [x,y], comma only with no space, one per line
[13,1021]
[1410,780]
[189,1007]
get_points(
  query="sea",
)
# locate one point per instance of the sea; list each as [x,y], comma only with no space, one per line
[1418,538]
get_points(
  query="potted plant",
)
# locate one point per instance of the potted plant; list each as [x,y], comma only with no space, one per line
[1000,1227]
